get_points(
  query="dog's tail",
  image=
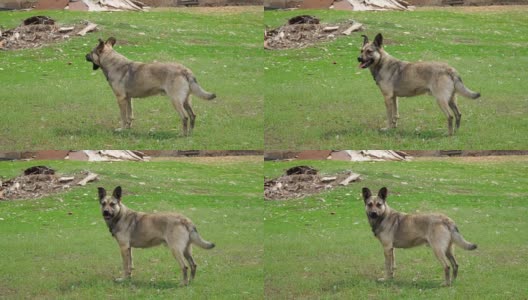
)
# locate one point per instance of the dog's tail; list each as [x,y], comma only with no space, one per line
[196,89]
[459,240]
[197,240]
[462,89]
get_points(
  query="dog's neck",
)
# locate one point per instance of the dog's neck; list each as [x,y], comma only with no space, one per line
[112,223]
[375,223]
[115,59]
[385,60]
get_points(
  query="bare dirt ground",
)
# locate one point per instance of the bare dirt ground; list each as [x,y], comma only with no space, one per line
[479,159]
[213,10]
[490,8]
[213,159]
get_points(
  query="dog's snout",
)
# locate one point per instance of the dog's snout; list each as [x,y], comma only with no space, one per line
[373,215]
[88,58]
[106,213]
[360,59]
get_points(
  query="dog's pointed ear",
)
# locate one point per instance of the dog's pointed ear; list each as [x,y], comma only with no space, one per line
[366,194]
[100,47]
[365,39]
[378,40]
[383,193]
[102,193]
[111,40]
[117,193]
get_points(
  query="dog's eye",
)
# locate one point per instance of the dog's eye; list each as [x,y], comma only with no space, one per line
[370,204]
[378,205]
[112,204]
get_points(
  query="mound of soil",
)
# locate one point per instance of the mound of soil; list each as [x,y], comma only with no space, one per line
[301,181]
[36,31]
[303,31]
[40,181]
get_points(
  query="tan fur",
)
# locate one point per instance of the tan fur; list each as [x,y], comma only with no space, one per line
[130,79]
[133,229]
[398,230]
[397,78]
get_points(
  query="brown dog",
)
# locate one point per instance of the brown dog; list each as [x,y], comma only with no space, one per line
[130,79]
[397,78]
[141,230]
[398,230]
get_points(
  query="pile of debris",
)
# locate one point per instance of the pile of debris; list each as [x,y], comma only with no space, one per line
[40,181]
[302,31]
[302,181]
[40,30]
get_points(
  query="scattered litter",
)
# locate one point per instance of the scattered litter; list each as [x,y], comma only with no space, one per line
[40,181]
[37,31]
[301,181]
[302,31]
[363,5]
[370,155]
[89,28]
[89,178]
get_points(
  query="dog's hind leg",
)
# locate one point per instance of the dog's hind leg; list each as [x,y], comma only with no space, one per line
[177,102]
[188,255]
[444,106]
[188,108]
[178,255]
[454,107]
[440,252]
[450,253]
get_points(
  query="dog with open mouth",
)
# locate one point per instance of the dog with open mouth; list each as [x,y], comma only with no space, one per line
[396,78]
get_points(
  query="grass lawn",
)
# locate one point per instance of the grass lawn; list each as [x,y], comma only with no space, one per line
[321,247]
[51,98]
[59,247]
[318,98]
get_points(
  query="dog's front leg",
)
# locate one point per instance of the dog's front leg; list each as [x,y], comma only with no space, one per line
[123,108]
[395,113]
[389,104]
[126,255]
[389,262]
[129,112]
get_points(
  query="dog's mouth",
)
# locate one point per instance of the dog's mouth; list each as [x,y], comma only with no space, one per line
[107,215]
[366,63]
[89,59]
[373,215]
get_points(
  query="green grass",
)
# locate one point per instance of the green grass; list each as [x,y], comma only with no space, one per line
[48,103]
[59,247]
[321,247]
[318,98]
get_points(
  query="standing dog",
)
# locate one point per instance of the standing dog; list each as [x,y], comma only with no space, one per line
[397,78]
[141,230]
[130,79]
[398,230]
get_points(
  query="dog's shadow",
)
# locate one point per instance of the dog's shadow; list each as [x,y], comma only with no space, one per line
[355,282]
[392,133]
[130,283]
[123,134]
